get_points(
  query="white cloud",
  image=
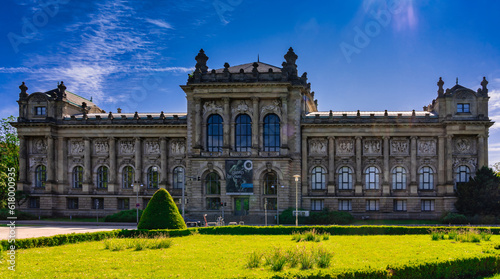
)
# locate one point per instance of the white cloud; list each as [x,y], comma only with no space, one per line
[8,111]
[159,23]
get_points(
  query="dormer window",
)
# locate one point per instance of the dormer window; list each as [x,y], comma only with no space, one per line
[40,110]
[463,108]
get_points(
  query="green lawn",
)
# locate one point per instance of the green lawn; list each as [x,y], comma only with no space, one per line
[395,222]
[223,256]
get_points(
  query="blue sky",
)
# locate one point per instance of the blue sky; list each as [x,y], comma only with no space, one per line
[135,54]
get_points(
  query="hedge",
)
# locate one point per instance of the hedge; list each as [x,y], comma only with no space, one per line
[229,230]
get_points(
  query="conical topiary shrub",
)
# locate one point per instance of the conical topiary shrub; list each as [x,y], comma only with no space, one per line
[161,213]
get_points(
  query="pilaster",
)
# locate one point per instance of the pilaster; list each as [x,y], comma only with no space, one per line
[386,189]
[480,152]
[358,187]
[138,160]
[226,145]
[87,162]
[112,165]
[331,165]
[163,163]
[255,126]
[284,126]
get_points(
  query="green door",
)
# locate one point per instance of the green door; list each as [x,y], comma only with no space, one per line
[241,206]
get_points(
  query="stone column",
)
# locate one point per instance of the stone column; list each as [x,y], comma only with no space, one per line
[331,165]
[50,160]
[441,161]
[87,162]
[138,160]
[226,146]
[62,164]
[255,126]
[449,160]
[197,122]
[304,173]
[163,163]
[284,126]
[386,189]
[413,166]
[22,161]
[358,188]
[112,165]
[480,152]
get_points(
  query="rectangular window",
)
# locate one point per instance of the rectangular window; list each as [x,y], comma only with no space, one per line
[145,203]
[463,108]
[213,203]
[372,205]
[317,205]
[345,205]
[72,203]
[40,110]
[34,202]
[97,203]
[124,204]
[399,205]
[428,205]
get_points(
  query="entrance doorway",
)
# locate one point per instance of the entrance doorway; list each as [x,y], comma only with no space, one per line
[241,206]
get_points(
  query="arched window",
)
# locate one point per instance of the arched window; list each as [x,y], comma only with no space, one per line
[345,178]
[398,178]
[318,178]
[40,176]
[243,132]
[153,177]
[212,184]
[270,183]
[426,178]
[372,178]
[271,133]
[178,178]
[127,177]
[102,177]
[462,174]
[214,133]
[77,177]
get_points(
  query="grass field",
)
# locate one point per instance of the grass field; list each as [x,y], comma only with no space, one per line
[225,256]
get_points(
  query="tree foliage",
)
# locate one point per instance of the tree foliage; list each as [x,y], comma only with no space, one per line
[9,156]
[481,195]
[161,213]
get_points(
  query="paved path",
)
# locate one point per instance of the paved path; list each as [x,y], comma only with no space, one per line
[37,230]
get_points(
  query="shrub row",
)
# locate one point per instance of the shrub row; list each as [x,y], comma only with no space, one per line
[324,217]
[459,268]
[5,212]
[125,216]
[229,230]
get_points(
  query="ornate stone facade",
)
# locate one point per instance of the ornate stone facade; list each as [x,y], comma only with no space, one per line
[404,163]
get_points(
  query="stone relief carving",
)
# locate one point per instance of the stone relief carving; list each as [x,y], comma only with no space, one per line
[471,161]
[211,107]
[127,147]
[317,146]
[77,147]
[242,107]
[101,147]
[152,147]
[345,147]
[427,161]
[40,146]
[372,146]
[462,145]
[426,147]
[35,161]
[178,147]
[274,107]
[399,147]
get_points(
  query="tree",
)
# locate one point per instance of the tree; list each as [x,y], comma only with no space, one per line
[9,157]
[161,213]
[481,195]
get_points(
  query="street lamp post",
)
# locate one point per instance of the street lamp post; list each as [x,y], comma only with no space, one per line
[137,202]
[296,199]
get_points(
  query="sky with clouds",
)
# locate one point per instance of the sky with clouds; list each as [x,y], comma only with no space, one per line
[369,55]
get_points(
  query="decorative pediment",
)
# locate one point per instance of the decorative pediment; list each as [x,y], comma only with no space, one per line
[210,107]
[470,161]
[275,107]
[241,107]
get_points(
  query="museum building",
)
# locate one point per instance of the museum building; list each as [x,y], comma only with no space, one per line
[249,131]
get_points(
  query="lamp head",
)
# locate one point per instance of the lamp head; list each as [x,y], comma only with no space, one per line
[296,177]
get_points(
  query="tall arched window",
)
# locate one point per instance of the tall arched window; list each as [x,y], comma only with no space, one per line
[102,177]
[214,133]
[426,178]
[212,184]
[243,133]
[153,177]
[372,178]
[318,178]
[345,178]
[40,176]
[271,133]
[462,174]
[127,177]
[77,177]
[270,183]
[178,178]
[398,178]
